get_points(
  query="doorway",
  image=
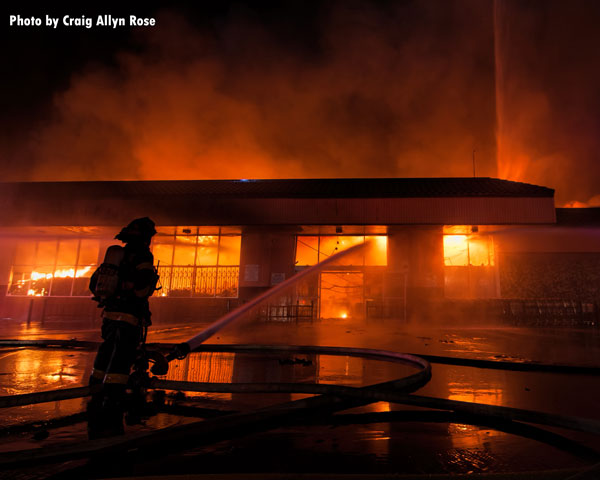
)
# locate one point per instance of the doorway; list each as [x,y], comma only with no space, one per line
[341,294]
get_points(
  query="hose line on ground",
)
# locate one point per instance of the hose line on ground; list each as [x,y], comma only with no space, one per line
[435,359]
[336,398]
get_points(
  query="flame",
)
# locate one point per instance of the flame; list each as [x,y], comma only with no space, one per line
[62,273]
[344,315]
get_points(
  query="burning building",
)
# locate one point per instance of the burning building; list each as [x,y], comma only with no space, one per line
[494,247]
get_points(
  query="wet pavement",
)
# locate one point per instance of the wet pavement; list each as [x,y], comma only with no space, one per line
[352,446]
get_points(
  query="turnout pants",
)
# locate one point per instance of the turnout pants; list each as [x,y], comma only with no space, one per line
[112,365]
[117,353]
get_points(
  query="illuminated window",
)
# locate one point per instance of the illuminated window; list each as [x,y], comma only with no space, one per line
[58,267]
[463,250]
[469,261]
[197,261]
[313,249]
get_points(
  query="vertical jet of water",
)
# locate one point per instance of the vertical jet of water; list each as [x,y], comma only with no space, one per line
[501,33]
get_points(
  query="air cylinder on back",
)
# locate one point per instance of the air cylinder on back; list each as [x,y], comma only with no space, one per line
[107,281]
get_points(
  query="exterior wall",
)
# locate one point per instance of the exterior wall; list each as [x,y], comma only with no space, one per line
[267,258]
[550,262]
[65,312]
[551,275]
[7,247]
[209,210]
[418,251]
[189,310]
[415,256]
[60,312]
[547,239]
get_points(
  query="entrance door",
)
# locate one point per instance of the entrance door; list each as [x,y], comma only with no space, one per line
[341,294]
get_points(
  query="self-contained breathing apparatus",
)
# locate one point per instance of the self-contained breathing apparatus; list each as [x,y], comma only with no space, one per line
[106,281]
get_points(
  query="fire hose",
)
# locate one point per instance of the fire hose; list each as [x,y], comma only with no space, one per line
[337,398]
[209,429]
[434,359]
[396,416]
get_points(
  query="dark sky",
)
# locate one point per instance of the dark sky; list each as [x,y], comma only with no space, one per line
[308,89]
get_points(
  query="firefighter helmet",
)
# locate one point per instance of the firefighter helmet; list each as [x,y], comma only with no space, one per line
[139,229]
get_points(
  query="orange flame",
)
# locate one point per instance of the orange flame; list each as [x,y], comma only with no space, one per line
[62,273]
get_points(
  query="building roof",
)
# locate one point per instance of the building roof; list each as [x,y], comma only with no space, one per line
[295,188]
[366,201]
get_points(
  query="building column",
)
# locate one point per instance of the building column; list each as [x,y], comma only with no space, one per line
[266,259]
[415,268]
[7,251]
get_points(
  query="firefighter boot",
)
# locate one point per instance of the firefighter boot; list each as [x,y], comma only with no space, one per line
[94,410]
[136,407]
[113,408]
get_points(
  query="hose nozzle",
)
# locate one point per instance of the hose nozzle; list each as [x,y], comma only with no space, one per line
[161,365]
[179,352]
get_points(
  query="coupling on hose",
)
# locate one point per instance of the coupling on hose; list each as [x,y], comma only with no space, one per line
[179,352]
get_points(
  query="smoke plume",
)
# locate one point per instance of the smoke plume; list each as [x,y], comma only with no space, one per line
[369,90]
[331,89]
[548,74]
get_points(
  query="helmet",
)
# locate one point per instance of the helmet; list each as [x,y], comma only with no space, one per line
[139,229]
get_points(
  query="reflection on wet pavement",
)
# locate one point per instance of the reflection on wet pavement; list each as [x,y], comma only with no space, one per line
[410,447]
[27,370]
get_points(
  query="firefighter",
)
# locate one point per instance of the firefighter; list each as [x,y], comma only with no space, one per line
[122,286]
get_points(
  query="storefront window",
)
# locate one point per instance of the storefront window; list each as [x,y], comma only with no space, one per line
[197,262]
[469,265]
[311,250]
[463,250]
[192,261]
[58,267]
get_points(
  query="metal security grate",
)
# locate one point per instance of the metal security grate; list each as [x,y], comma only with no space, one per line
[201,281]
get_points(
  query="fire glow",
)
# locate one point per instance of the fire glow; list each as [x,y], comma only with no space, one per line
[463,250]
[64,273]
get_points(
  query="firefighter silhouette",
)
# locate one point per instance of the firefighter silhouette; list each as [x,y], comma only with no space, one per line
[121,286]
